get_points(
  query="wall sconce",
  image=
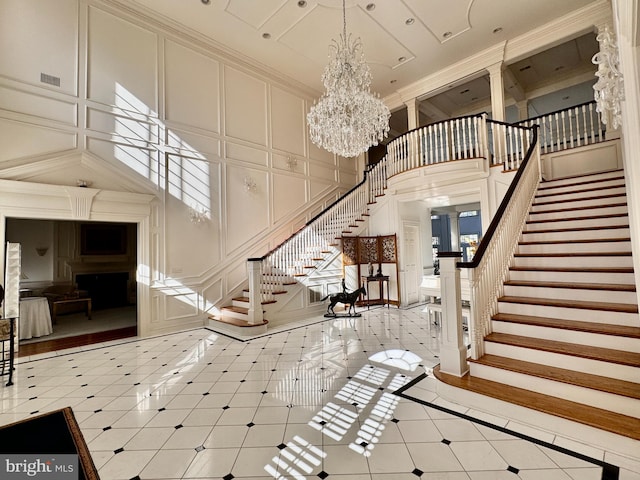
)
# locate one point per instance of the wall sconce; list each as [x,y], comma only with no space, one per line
[42,251]
[292,162]
[198,215]
[83,183]
[250,184]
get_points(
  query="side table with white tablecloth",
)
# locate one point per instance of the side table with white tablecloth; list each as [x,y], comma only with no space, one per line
[35,318]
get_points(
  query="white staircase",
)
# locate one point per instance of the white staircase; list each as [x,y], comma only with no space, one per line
[566,338]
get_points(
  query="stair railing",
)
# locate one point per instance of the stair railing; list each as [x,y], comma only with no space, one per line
[490,264]
[456,139]
[568,128]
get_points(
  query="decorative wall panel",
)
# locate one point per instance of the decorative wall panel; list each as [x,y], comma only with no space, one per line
[321,172]
[245,106]
[139,161]
[288,122]
[192,88]
[247,208]
[21,140]
[38,106]
[288,195]
[132,126]
[121,64]
[200,145]
[247,154]
[40,37]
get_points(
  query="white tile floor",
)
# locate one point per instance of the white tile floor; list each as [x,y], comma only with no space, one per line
[310,402]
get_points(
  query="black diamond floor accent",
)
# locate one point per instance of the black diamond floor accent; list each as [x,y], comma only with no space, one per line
[199,448]
[177,427]
[417,472]
[322,422]
[446,442]
[250,424]
[282,446]
[137,477]
[228,477]
[513,469]
[118,450]
[323,474]
[264,392]
[226,407]
[106,428]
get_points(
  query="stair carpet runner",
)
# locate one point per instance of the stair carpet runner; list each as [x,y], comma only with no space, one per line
[566,340]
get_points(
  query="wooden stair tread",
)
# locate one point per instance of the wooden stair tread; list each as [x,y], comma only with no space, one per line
[546,185]
[594,353]
[583,304]
[618,287]
[575,229]
[575,325]
[577,219]
[574,269]
[592,416]
[568,200]
[246,300]
[233,308]
[582,190]
[586,380]
[238,322]
[574,254]
[582,240]
[585,207]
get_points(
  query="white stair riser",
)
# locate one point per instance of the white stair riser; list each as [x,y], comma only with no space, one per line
[579,294]
[591,202]
[586,396]
[623,261]
[546,189]
[595,176]
[236,331]
[577,277]
[617,210]
[569,247]
[240,303]
[542,197]
[613,342]
[576,235]
[569,362]
[578,223]
[578,314]
[232,314]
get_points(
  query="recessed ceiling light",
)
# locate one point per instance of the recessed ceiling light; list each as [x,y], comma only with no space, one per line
[206,2]
[392,81]
[566,98]
[525,68]
[446,34]
[559,67]
[302,3]
[466,90]
[266,36]
[409,21]
[370,7]
[497,30]
[402,59]
[473,99]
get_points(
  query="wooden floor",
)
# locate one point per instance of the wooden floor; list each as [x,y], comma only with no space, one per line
[77,341]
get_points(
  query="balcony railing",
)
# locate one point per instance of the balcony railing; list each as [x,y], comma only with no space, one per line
[476,136]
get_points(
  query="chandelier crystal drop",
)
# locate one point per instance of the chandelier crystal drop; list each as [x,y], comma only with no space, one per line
[609,89]
[348,118]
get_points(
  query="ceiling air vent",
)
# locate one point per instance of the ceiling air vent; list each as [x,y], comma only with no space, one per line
[50,79]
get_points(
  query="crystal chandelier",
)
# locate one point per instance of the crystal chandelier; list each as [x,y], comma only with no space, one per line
[609,89]
[348,118]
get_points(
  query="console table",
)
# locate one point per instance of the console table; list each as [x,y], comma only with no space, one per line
[381,280]
[71,301]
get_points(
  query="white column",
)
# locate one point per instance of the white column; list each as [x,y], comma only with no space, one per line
[497,91]
[523,109]
[455,232]
[426,233]
[412,114]
[453,351]
[255,295]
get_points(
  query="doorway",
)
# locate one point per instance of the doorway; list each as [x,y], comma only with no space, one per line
[77,259]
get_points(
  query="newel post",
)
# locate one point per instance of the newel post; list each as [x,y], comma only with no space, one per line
[254,270]
[453,352]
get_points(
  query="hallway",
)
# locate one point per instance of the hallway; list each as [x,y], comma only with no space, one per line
[314,401]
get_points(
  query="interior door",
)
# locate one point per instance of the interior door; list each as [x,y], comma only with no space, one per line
[411,255]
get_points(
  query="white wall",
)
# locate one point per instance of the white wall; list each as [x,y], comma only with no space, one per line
[146,110]
[33,234]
